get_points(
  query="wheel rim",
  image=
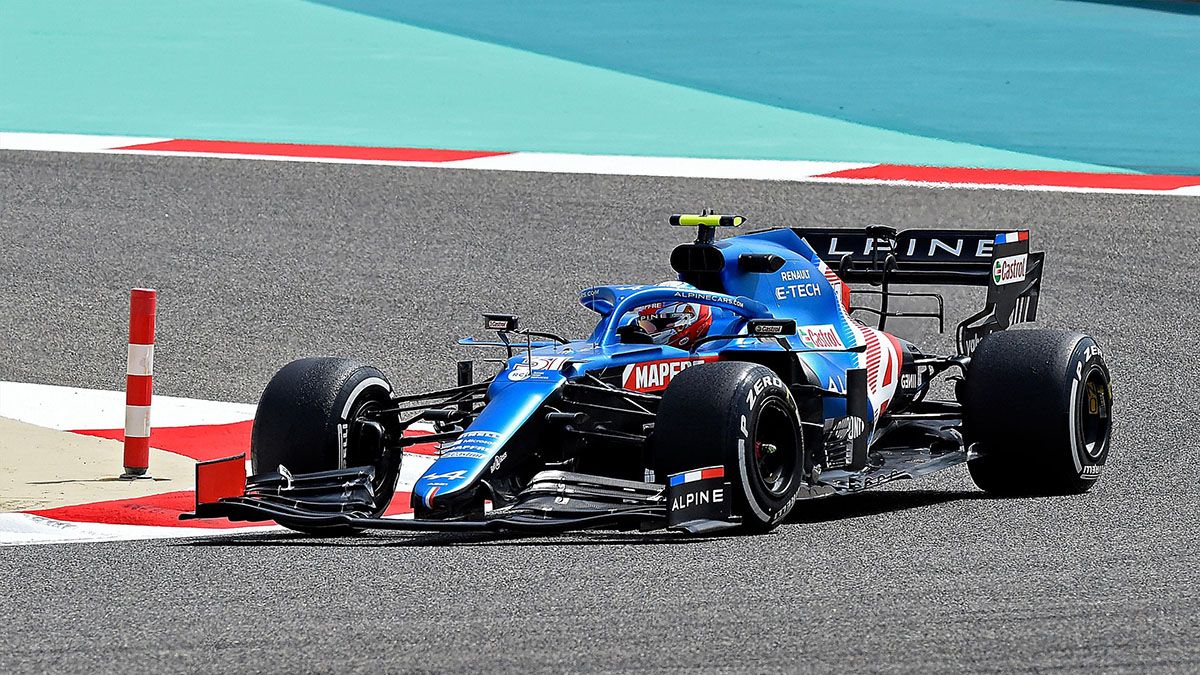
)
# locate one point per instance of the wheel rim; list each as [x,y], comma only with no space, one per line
[775,450]
[1095,407]
[354,456]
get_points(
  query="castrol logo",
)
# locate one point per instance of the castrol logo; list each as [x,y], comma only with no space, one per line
[1009,270]
[823,336]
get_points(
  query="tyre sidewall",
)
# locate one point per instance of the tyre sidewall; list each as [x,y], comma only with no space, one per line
[763,390]
[1086,359]
[369,385]
[1025,393]
[303,418]
[708,416]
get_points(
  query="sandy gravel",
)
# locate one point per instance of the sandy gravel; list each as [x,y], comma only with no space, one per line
[43,468]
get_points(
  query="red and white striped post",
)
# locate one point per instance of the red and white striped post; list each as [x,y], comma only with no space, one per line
[143,303]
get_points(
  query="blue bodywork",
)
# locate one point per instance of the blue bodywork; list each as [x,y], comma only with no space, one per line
[799,290]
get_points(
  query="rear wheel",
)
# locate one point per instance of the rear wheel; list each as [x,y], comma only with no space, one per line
[1038,412]
[740,416]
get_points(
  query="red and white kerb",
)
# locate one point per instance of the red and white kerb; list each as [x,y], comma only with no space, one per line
[143,303]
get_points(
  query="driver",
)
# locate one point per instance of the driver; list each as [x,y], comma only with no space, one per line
[677,324]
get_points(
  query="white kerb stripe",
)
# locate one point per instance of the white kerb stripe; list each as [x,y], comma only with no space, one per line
[137,421]
[141,360]
[69,142]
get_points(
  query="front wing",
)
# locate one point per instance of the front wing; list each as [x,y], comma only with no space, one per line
[693,502]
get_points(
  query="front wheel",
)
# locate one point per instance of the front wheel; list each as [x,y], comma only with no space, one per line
[1038,412]
[740,416]
[304,417]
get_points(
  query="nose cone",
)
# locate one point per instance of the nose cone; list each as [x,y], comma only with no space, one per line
[512,400]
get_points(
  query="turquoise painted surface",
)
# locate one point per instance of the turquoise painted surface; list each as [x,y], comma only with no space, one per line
[1107,83]
[290,71]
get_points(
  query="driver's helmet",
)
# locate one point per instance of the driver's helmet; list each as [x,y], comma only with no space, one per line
[678,324]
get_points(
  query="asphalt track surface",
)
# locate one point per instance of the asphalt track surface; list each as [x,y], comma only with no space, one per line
[260,262]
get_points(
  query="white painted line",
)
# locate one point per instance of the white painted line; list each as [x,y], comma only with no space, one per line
[71,408]
[18,529]
[412,467]
[24,529]
[1177,192]
[536,162]
[682,167]
[10,140]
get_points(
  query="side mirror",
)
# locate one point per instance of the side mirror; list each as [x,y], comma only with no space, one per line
[771,328]
[501,322]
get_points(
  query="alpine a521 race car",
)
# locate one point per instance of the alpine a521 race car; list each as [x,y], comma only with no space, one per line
[716,401]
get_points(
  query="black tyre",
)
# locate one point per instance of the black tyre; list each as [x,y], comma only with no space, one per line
[304,415]
[1038,412]
[740,416]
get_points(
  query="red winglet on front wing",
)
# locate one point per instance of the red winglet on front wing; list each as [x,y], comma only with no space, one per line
[220,478]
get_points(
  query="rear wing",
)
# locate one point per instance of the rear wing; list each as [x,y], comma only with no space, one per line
[907,257]
[998,260]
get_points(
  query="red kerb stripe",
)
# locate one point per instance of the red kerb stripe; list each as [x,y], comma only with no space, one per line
[315,151]
[214,441]
[430,449]
[163,510]
[938,174]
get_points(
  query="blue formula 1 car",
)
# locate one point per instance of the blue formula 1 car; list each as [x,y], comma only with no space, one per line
[720,400]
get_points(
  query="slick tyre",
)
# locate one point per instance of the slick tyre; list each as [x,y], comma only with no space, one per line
[304,415]
[1038,413]
[740,416]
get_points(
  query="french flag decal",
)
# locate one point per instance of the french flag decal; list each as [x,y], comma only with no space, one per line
[1011,237]
[698,474]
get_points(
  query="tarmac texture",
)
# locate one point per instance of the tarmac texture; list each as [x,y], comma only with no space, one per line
[257,263]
